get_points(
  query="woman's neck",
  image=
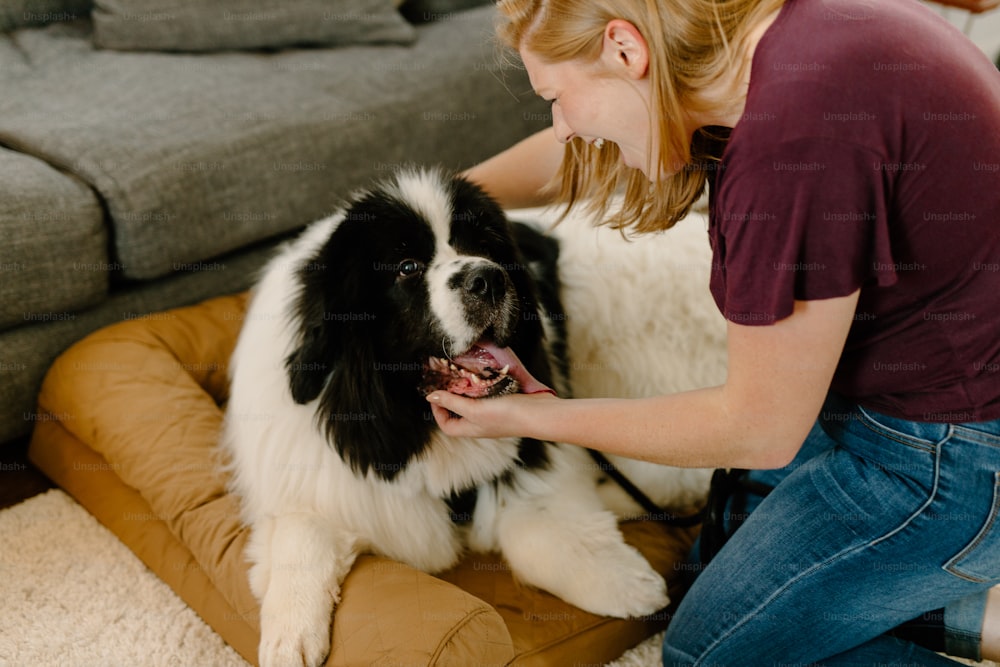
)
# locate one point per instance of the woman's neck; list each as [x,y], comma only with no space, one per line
[725,100]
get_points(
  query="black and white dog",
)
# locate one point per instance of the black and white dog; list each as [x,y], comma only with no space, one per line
[418,283]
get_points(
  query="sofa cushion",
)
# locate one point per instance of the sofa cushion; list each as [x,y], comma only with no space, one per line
[26,352]
[134,416]
[197,155]
[424,11]
[182,25]
[53,258]
[20,13]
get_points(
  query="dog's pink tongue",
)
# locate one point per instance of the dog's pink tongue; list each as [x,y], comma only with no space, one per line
[505,357]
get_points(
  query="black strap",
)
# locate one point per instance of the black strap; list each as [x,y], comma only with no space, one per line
[655,511]
[719,522]
[724,512]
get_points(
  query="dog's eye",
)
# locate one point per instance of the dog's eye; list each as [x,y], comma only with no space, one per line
[409,267]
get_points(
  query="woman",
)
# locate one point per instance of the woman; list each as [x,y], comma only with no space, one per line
[852,149]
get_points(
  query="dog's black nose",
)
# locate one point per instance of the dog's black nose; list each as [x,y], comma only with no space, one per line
[486,282]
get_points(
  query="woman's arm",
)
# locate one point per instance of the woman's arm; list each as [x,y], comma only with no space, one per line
[516,176]
[974,6]
[778,378]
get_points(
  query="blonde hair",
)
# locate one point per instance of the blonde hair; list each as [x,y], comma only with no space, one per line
[692,43]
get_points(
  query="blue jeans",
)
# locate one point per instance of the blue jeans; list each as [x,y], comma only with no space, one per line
[877,521]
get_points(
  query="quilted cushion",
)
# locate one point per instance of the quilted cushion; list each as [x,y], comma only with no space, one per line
[128,424]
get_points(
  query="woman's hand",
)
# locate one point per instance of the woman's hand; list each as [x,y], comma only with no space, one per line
[499,417]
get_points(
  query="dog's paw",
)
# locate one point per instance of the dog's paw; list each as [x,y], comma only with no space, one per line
[301,651]
[626,587]
[633,590]
[298,563]
[294,633]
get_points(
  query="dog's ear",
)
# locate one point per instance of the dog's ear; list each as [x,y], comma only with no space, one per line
[539,257]
[310,364]
[323,295]
[374,420]
[536,278]
[369,410]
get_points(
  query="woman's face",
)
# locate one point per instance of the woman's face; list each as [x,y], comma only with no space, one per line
[590,102]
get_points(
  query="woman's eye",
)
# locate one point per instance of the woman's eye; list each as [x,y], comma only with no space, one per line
[408,267]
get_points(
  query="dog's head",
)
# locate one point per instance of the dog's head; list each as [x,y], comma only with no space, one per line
[420,286]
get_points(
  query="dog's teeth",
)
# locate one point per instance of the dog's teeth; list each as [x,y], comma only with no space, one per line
[453,367]
[503,371]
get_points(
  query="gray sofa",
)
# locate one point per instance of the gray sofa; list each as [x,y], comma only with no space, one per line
[138,179]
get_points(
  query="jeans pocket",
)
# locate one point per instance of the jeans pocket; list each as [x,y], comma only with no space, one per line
[922,435]
[979,561]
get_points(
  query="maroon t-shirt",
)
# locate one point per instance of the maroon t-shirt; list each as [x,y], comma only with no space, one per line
[868,156]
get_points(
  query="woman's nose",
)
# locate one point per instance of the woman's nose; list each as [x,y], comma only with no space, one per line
[563,131]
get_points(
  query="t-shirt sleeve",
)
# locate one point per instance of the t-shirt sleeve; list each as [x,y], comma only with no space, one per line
[802,219]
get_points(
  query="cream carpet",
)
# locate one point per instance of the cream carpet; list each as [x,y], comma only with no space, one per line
[72,595]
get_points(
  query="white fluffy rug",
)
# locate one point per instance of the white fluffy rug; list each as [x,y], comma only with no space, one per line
[641,322]
[74,596]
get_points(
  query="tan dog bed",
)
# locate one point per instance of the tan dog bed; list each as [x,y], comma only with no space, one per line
[128,421]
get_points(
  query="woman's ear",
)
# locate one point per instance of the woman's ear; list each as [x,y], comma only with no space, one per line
[625,49]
